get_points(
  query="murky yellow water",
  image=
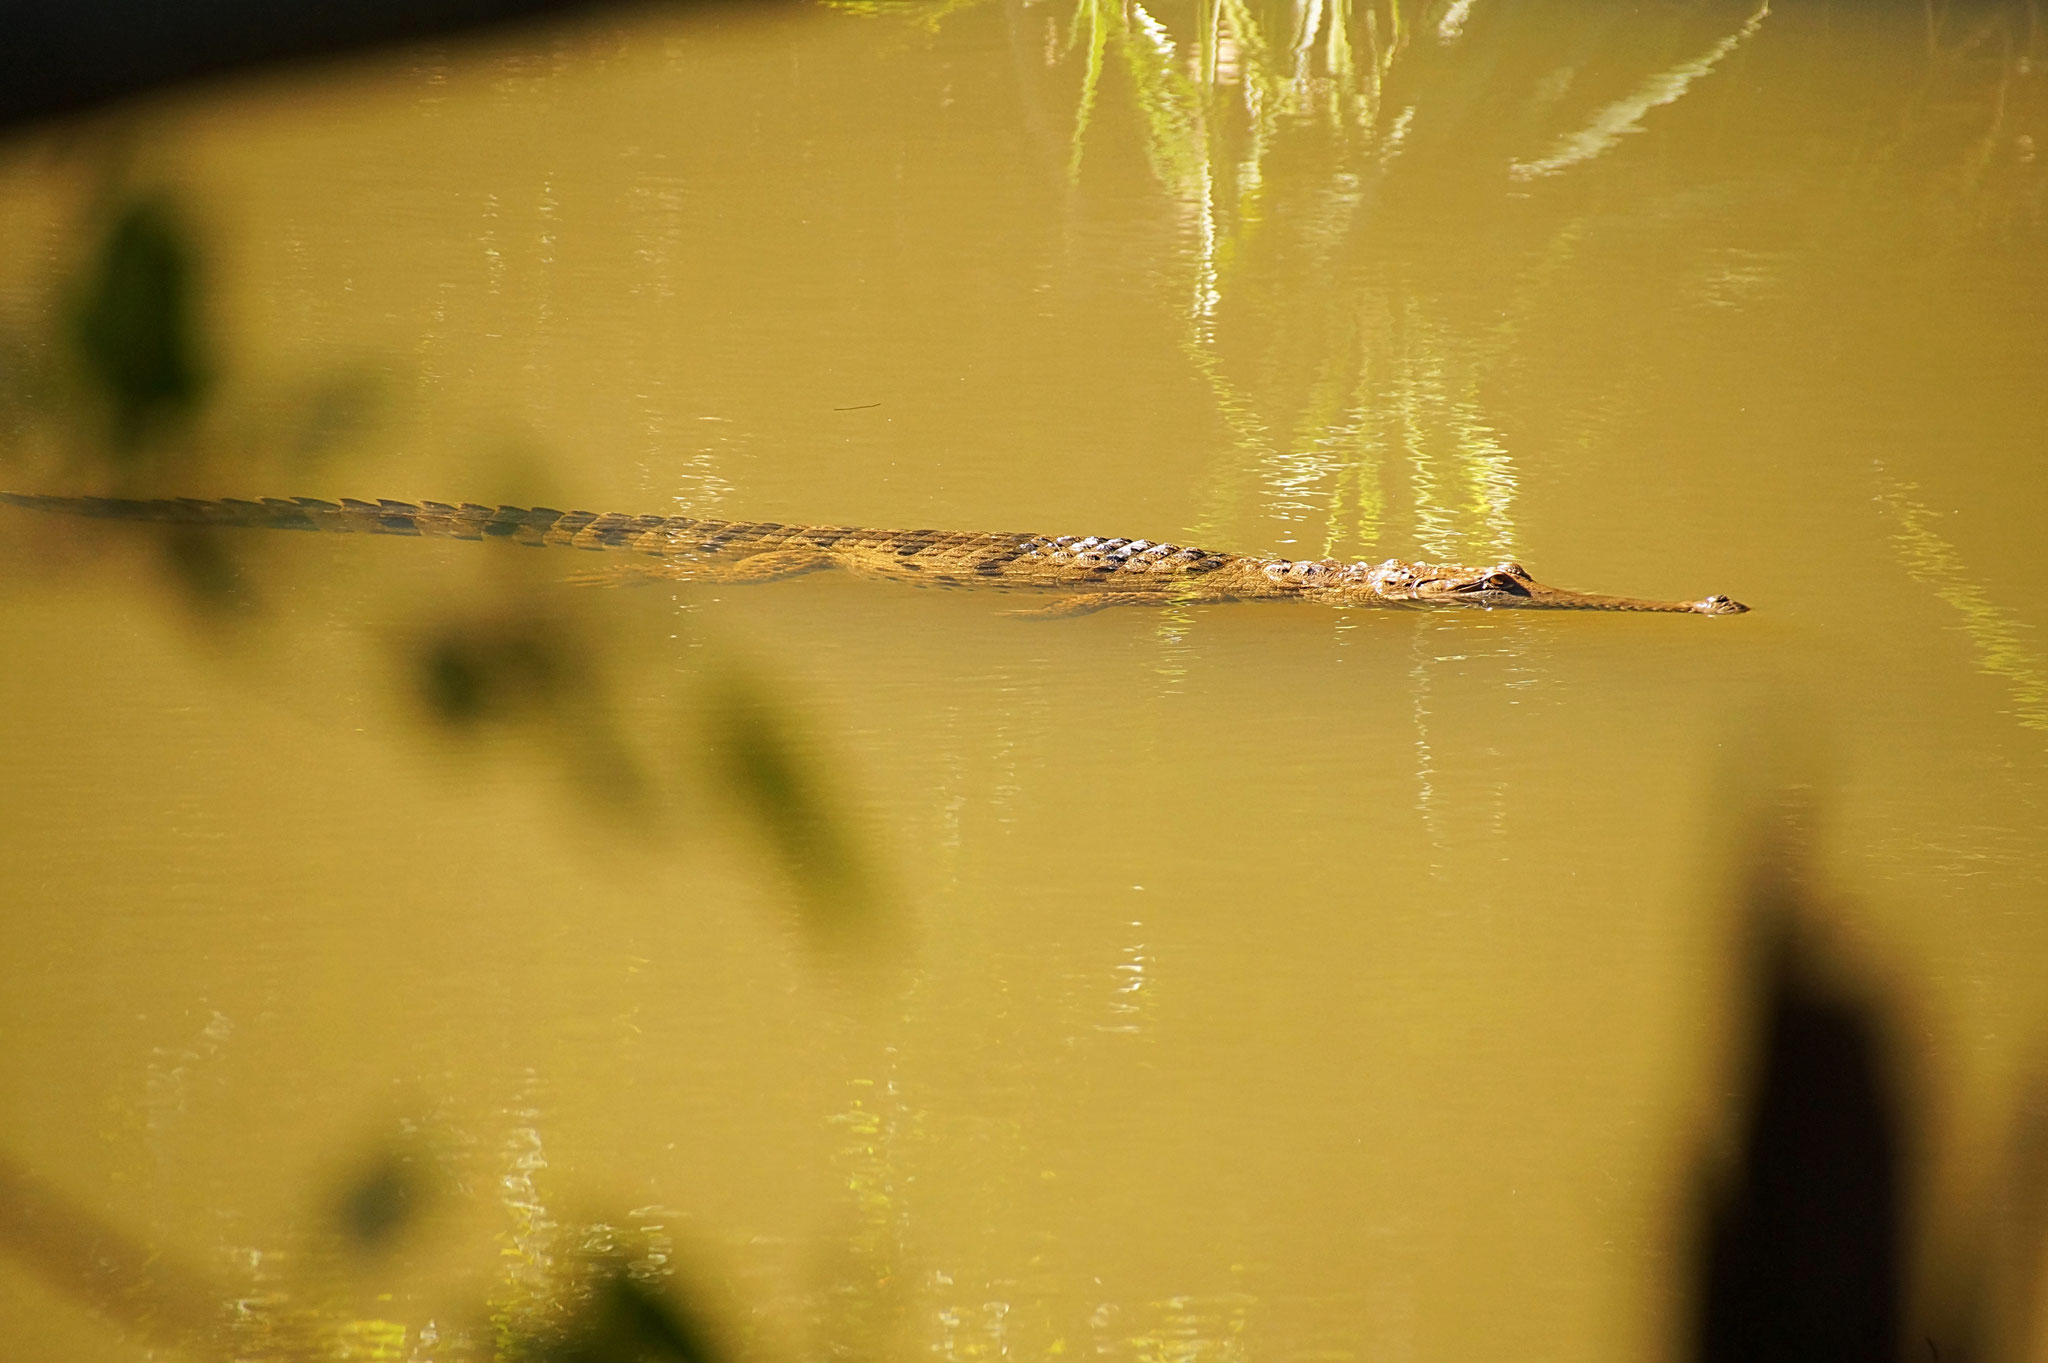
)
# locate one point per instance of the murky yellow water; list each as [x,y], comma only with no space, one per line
[1251,982]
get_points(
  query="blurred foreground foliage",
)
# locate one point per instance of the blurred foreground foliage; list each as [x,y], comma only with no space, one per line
[1817,1236]
[603,1305]
[135,328]
[123,386]
[624,1318]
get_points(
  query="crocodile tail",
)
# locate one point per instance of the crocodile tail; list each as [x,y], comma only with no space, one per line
[538,525]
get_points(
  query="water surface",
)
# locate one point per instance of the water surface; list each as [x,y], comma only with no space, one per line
[1250,982]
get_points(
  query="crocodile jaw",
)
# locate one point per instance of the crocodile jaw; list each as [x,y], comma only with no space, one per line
[1504,586]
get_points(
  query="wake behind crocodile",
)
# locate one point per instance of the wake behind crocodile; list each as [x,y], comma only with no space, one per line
[1084,573]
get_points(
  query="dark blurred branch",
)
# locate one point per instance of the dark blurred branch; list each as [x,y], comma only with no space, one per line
[61,56]
[1802,1262]
[1809,1250]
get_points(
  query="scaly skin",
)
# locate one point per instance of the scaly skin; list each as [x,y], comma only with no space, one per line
[1091,573]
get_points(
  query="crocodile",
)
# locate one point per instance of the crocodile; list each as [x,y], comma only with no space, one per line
[1088,572]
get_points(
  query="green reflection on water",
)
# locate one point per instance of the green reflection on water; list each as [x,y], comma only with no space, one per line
[1998,638]
[1209,120]
[1625,116]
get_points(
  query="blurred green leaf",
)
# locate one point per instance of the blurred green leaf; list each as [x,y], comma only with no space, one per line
[207,570]
[135,325]
[334,410]
[471,673]
[380,1200]
[520,669]
[756,760]
[627,1321]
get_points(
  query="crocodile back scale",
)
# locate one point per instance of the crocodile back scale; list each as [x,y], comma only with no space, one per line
[1090,572]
